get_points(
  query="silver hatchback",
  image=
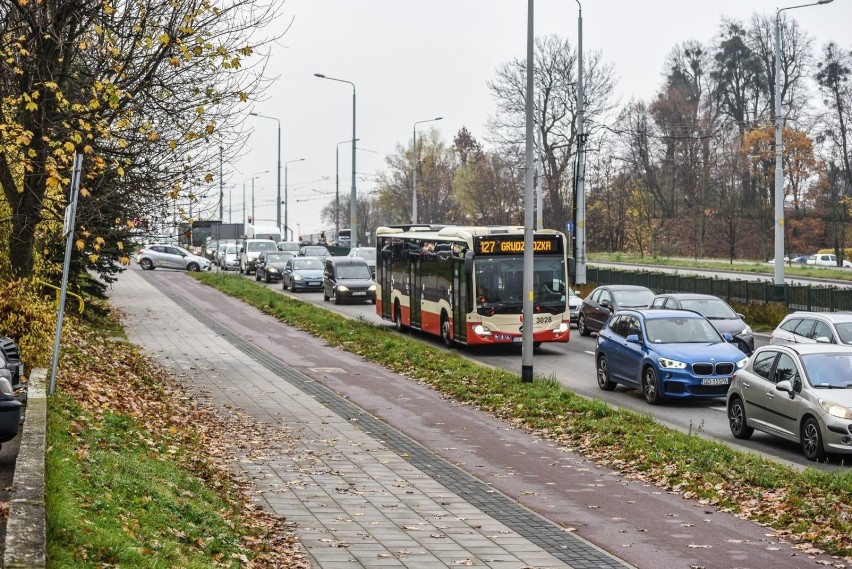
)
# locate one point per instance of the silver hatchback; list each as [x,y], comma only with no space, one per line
[814,327]
[801,392]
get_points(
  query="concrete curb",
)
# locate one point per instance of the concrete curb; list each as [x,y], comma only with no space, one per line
[26,528]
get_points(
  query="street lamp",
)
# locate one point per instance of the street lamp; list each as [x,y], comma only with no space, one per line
[253,176]
[285,196]
[353,205]
[277,201]
[337,190]
[414,175]
[779,147]
[580,222]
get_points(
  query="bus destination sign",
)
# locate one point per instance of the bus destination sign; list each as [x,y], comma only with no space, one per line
[514,245]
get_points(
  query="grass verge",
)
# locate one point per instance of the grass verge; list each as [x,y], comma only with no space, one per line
[813,508]
[137,472]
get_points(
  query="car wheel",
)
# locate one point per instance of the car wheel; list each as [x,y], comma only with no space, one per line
[737,419]
[650,386]
[397,317]
[146,264]
[604,382]
[242,268]
[325,296]
[193,267]
[372,301]
[256,276]
[446,333]
[266,278]
[581,325]
[283,284]
[336,298]
[812,440]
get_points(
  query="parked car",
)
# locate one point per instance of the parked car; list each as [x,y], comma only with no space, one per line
[814,327]
[302,273]
[250,249]
[220,244]
[827,260]
[368,254]
[609,299]
[319,251]
[155,256]
[717,311]
[801,392]
[228,257]
[10,359]
[348,279]
[270,265]
[665,353]
[574,304]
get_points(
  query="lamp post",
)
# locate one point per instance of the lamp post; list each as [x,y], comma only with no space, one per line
[285,196]
[414,169]
[353,204]
[337,189]
[221,187]
[580,222]
[277,201]
[779,147]
[253,176]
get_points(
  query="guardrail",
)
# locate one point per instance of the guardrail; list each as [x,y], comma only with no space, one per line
[817,298]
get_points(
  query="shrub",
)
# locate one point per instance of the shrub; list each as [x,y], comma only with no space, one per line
[30,319]
[762,316]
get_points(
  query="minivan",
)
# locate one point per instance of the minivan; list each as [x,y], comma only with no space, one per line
[348,279]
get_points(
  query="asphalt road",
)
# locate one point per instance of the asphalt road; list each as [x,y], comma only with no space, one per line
[706,418]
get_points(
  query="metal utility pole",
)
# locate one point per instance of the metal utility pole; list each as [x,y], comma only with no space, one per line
[527,334]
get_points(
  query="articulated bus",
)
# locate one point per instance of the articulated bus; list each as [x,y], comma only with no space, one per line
[465,284]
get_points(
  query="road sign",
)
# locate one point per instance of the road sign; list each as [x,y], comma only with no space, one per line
[569,227]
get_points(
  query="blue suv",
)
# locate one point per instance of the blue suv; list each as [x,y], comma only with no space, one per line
[665,353]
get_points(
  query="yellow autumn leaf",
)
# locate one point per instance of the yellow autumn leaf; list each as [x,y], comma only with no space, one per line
[172,144]
[93,258]
[80,244]
[31,106]
[120,246]
[85,193]
[124,260]
[99,240]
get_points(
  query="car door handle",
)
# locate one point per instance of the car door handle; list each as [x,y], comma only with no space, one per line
[746,385]
[770,394]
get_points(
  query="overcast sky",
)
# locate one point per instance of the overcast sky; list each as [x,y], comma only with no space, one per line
[413,61]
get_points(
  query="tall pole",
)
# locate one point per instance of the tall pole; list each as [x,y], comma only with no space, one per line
[221,188]
[337,189]
[527,334]
[278,200]
[353,202]
[779,147]
[253,177]
[285,195]
[580,277]
[414,168]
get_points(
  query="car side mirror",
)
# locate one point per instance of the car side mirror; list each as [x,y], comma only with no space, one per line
[824,340]
[634,339]
[728,337]
[786,387]
[605,303]
[740,316]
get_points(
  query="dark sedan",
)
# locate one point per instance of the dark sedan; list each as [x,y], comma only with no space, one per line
[302,273]
[607,300]
[717,311]
[270,265]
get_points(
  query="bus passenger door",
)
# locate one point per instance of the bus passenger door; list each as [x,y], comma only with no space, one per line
[415,291]
[384,272]
[459,300]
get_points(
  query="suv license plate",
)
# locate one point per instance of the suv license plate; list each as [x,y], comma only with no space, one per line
[714,381]
[359,293]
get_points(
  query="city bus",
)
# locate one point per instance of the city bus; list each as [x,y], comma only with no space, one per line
[465,284]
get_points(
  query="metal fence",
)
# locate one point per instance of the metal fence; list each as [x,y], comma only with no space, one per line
[820,298]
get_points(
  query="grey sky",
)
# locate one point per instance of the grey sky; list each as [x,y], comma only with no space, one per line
[412,61]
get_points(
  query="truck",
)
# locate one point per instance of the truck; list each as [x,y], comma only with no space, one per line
[263,232]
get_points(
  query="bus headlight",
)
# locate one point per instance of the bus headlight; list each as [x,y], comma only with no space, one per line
[481,330]
[561,329]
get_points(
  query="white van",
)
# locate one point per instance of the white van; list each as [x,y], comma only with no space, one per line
[263,232]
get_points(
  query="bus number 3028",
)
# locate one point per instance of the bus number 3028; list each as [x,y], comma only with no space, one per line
[543,319]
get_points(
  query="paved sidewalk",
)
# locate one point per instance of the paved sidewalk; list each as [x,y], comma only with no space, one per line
[360,493]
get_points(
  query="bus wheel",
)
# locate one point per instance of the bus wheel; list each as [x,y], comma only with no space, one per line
[397,317]
[445,330]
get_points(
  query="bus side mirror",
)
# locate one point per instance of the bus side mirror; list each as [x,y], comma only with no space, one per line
[572,269]
[468,262]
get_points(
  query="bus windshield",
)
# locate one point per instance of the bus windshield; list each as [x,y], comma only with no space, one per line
[499,283]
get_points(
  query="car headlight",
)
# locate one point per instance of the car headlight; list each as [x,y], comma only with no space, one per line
[746,331]
[836,410]
[742,363]
[341,288]
[271,270]
[372,288]
[297,277]
[666,363]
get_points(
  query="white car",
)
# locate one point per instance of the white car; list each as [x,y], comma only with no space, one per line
[574,303]
[827,260]
[228,257]
[156,256]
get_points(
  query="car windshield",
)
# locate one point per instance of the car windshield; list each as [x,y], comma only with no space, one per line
[284,246]
[844,330]
[316,251]
[184,251]
[261,246]
[277,257]
[231,249]
[679,330]
[633,297]
[354,272]
[307,264]
[712,308]
[829,370]
[368,254]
